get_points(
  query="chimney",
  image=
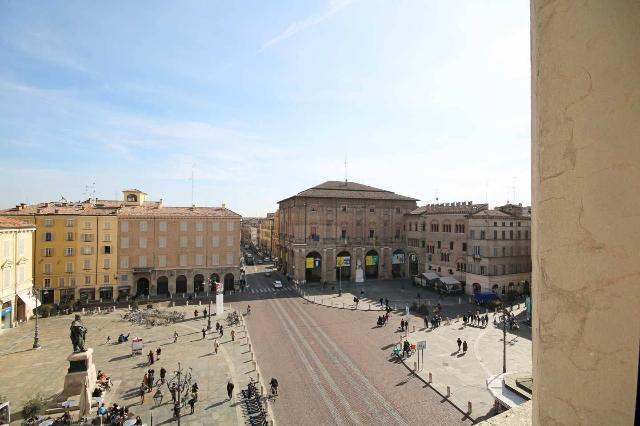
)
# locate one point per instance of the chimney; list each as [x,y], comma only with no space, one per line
[224,206]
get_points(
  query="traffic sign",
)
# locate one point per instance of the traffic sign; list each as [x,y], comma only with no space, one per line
[422,345]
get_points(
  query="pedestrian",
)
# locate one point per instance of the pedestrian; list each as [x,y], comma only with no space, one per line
[195,313]
[233,335]
[158,352]
[163,373]
[402,324]
[175,336]
[108,340]
[221,331]
[386,301]
[230,387]
[138,421]
[150,356]
[204,313]
[145,379]
[406,324]
[426,321]
[204,333]
[464,346]
[217,326]
[141,392]
[216,344]
[459,344]
[151,378]
[173,391]
[192,403]
[381,302]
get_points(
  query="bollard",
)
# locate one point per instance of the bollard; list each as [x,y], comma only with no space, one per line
[469,407]
[251,356]
[199,302]
[342,305]
[257,376]
[187,303]
[261,389]
[369,306]
[459,300]
[414,328]
[101,300]
[249,346]
[415,366]
[255,365]
[430,378]
[129,307]
[448,391]
[98,308]
[83,311]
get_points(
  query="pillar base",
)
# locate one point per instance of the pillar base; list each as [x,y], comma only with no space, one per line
[80,366]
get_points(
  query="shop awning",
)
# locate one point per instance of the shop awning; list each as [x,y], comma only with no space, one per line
[28,299]
[449,280]
[430,275]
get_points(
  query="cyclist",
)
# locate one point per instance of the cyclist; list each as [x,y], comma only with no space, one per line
[274,386]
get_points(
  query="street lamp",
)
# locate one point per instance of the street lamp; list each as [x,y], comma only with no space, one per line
[182,380]
[36,339]
[504,340]
[209,311]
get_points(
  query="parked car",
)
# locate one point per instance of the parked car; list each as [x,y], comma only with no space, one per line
[277,284]
[267,273]
[267,259]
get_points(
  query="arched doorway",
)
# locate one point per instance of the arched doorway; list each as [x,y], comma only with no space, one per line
[313,267]
[198,283]
[229,282]
[397,264]
[477,288]
[142,287]
[215,278]
[343,266]
[163,285]
[494,288]
[371,261]
[413,264]
[181,284]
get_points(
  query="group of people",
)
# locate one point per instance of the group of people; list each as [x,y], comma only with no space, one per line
[404,324]
[382,319]
[510,319]
[118,414]
[150,357]
[475,319]
[121,338]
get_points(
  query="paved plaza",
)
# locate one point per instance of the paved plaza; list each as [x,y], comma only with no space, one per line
[464,373]
[26,372]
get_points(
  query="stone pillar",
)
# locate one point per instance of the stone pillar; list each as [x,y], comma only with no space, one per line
[325,262]
[585,203]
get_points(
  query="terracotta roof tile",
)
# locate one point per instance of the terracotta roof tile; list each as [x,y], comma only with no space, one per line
[340,189]
[12,223]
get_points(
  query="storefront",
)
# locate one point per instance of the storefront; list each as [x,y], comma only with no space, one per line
[106,293]
[7,310]
[67,295]
[46,296]
[87,295]
[123,292]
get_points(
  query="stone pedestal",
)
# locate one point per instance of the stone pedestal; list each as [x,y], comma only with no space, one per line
[359,275]
[80,366]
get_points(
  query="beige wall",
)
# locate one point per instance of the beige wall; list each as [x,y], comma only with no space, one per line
[16,267]
[585,185]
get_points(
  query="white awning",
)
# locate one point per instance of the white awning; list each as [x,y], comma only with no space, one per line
[430,275]
[497,388]
[449,280]
[29,300]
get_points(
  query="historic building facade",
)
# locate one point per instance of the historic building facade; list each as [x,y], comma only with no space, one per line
[16,264]
[343,231]
[499,250]
[437,238]
[176,250]
[265,231]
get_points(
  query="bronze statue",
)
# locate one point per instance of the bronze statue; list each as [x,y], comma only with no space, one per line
[78,335]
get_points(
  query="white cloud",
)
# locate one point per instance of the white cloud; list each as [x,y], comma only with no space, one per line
[304,24]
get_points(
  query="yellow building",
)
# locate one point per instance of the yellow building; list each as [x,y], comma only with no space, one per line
[16,279]
[75,247]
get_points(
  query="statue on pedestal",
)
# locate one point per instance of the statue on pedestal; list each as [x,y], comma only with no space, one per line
[78,335]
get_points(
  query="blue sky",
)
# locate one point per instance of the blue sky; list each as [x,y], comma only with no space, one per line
[263,99]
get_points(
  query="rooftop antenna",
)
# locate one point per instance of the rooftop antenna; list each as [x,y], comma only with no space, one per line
[345,171]
[90,191]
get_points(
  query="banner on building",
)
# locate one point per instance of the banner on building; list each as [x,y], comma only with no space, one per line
[342,261]
[309,262]
[397,259]
[371,260]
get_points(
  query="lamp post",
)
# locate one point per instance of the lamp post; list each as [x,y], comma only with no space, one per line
[182,380]
[36,339]
[504,340]
[209,311]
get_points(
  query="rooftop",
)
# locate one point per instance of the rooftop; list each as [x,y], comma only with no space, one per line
[12,223]
[353,190]
[464,207]
[177,211]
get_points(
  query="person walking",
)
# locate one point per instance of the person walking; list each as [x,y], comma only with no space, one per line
[108,340]
[192,403]
[216,344]
[426,321]
[172,391]
[233,335]
[204,333]
[221,331]
[175,336]
[464,346]
[402,324]
[217,326]
[158,352]
[230,387]
[459,344]
[150,356]
[141,392]
[204,313]
[151,378]
[163,373]
[386,302]
[381,302]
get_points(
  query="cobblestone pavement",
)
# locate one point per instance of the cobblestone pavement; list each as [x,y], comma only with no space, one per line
[333,365]
[26,372]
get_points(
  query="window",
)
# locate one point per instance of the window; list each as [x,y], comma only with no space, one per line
[423,227]
[504,251]
[105,279]
[106,237]
[230,226]
[371,233]
[142,261]
[87,280]
[397,209]
[68,251]
[446,227]
[464,246]
[344,209]
[183,226]
[519,234]
[48,223]
[46,283]
[510,223]
[69,223]
[124,262]
[107,226]
[107,249]
[162,226]
[435,227]
[183,241]
[183,260]
[476,250]
[215,260]
[61,282]
[511,234]
[495,234]
[483,270]
[106,263]
[460,228]
[215,226]
[142,242]
[526,234]
[72,282]
[199,226]
[124,278]
[199,260]
[143,226]
[199,239]
[313,209]
[472,234]
[482,235]
[397,232]
[229,259]
[87,238]
[68,236]
[87,250]
[343,233]
[48,236]
[503,223]
[410,226]
[229,240]
[68,267]
[86,264]
[372,210]
[87,225]
[20,246]
[450,245]
[124,226]
[48,252]
[162,242]
[215,241]
[162,261]
[439,244]
[504,235]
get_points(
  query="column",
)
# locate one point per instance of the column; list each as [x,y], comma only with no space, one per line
[585,176]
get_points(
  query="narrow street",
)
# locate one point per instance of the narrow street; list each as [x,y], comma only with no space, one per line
[333,365]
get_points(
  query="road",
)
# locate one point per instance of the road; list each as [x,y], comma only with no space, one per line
[333,365]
